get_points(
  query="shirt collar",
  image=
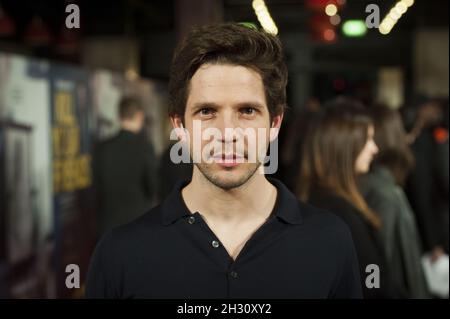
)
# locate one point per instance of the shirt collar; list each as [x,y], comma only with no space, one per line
[286,208]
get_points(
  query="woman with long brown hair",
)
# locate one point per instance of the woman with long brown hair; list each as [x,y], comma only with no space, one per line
[340,146]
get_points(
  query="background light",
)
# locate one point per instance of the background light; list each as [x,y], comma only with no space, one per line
[408,3]
[329,35]
[354,28]
[263,15]
[394,15]
[335,20]
[401,7]
[331,9]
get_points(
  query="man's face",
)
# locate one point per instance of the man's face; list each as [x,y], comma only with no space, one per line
[226,97]
[140,120]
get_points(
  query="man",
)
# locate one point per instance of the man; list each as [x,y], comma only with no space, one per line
[427,186]
[124,172]
[229,232]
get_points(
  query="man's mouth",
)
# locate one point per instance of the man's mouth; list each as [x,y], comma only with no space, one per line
[228,160]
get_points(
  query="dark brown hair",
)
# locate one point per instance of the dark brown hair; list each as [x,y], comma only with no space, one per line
[129,106]
[229,43]
[390,137]
[332,146]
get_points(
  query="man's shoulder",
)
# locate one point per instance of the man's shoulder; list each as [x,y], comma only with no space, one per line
[326,232]
[151,219]
[323,224]
[146,227]
[105,145]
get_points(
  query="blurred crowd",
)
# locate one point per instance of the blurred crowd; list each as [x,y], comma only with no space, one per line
[385,172]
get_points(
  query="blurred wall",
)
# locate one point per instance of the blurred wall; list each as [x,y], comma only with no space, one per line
[431,62]
[390,87]
[119,54]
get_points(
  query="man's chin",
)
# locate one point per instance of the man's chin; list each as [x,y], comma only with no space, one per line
[228,178]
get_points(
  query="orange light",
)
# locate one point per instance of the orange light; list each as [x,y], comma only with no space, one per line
[329,35]
[440,135]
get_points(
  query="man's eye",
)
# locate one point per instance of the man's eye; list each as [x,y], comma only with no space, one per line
[248,110]
[206,111]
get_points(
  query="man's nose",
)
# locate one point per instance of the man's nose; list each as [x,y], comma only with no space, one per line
[227,125]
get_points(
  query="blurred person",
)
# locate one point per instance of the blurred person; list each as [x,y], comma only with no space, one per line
[124,170]
[294,139]
[427,186]
[229,232]
[382,189]
[339,147]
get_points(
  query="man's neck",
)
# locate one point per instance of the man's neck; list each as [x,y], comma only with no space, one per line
[253,200]
[130,126]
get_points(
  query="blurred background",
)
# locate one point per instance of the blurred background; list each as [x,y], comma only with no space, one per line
[61,89]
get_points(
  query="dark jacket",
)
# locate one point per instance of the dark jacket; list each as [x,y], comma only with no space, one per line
[124,178]
[398,235]
[367,247]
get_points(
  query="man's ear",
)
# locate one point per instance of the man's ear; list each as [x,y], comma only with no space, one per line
[275,126]
[177,123]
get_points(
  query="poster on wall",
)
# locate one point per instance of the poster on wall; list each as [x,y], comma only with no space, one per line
[20,220]
[24,99]
[71,135]
[25,200]
[18,227]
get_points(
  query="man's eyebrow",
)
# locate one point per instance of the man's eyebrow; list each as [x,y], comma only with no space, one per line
[254,104]
[202,105]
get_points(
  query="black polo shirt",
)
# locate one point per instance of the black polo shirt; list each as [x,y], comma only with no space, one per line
[169,252]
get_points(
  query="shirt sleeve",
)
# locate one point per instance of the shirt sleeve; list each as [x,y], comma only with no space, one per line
[102,275]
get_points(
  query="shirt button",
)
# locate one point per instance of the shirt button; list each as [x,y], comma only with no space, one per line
[215,243]
[233,274]
[191,220]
